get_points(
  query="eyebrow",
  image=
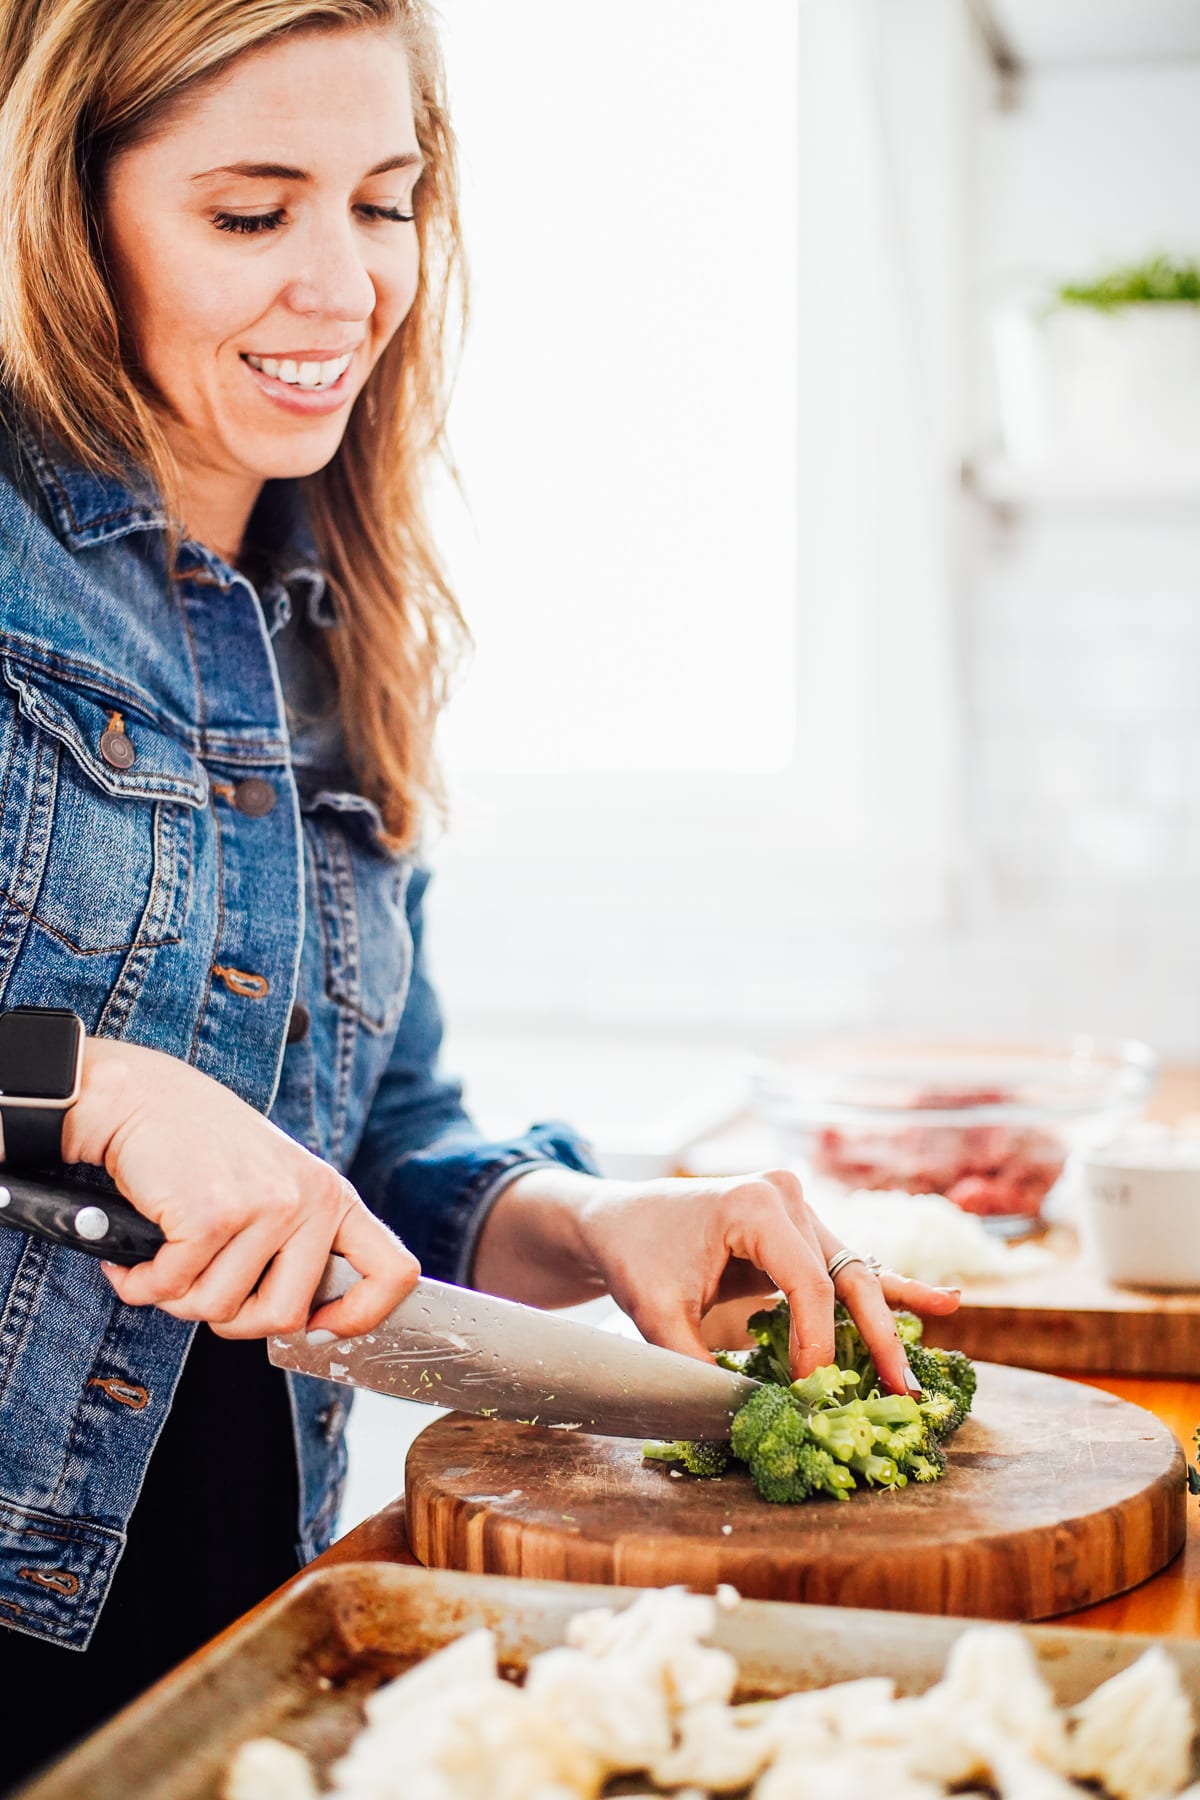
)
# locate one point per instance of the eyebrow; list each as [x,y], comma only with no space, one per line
[268,171]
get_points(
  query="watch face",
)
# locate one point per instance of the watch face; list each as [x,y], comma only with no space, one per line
[38,1053]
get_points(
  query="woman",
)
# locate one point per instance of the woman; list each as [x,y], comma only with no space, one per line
[230,236]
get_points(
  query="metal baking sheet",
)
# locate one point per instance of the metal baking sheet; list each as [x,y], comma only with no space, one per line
[299,1668]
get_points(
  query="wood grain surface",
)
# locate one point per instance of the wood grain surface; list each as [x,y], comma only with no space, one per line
[1066,1317]
[1058,1496]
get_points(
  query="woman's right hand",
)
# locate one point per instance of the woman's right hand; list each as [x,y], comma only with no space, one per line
[250,1216]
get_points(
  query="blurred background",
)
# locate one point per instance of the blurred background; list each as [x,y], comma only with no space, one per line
[837,598]
[829,435]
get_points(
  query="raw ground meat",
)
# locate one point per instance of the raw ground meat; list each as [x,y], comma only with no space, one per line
[986,1169]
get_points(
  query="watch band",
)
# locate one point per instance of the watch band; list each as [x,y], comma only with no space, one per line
[41,1068]
[33,1136]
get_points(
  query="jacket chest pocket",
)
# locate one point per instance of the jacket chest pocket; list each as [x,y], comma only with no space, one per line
[360,891]
[102,846]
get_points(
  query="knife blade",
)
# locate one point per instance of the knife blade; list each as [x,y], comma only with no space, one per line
[443,1346]
[449,1346]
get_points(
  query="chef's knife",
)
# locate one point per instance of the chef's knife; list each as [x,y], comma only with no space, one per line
[444,1346]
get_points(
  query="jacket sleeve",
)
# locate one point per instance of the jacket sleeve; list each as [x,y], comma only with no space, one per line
[422,1164]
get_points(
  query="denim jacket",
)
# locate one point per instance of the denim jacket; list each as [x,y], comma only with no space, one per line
[261,933]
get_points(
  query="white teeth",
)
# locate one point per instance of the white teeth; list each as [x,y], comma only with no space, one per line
[304,375]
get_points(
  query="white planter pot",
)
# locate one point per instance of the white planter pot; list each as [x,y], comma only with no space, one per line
[1084,389]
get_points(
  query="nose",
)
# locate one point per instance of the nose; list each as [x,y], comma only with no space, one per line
[331,279]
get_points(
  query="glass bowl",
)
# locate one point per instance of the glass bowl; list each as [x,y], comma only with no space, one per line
[989,1129]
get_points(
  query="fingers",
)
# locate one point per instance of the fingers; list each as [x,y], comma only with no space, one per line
[389,1274]
[220,1292]
[781,1239]
[283,1298]
[918,1297]
[863,1293]
[780,1245]
[168,1276]
[673,1330]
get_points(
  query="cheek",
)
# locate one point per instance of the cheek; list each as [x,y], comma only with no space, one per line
[173,306]
[396,284]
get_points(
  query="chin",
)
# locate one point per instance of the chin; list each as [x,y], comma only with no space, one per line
[290,458]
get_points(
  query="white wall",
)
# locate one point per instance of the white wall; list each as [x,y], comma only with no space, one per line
[1075,893]
[1083,621]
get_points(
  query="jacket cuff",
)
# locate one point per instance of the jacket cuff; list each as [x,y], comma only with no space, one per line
[467,1180]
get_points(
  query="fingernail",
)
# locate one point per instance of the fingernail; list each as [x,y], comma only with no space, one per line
[941,1290]
[321,1336]
[911,1382]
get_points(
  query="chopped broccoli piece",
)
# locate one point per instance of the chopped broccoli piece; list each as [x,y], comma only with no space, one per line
[706,1457]
[814,1436]
[772,1328]
[784,1478]
[947,1380]
[879,1471]
[824,1387]
[756,1417]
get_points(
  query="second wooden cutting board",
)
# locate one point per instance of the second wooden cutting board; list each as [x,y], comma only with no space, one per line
[1067,1318]
[1058,1495]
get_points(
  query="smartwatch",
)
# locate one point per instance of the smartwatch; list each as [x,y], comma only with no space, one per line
[41,1066]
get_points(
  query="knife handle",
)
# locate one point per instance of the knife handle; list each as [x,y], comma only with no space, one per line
[86,1218]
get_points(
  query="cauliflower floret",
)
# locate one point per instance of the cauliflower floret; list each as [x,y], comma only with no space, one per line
[1135,1732]
[657,1640]
[991,1699]
[265,1769]
[720,1748]
[1016,1776]
[840,1710]
[618,1715]
[842,1774]
[487,1742]
[991,1670]
[468,1661]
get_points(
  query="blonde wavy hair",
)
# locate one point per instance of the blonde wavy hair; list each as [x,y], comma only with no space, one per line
[79,81]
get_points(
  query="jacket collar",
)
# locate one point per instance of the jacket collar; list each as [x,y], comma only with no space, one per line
[90,508]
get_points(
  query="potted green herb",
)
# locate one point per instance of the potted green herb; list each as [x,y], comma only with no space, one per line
[1105,377]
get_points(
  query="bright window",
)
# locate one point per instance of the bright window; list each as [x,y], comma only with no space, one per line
[701,423]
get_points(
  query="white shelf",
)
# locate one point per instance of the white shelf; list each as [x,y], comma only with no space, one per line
[1010,486]
[1043,34]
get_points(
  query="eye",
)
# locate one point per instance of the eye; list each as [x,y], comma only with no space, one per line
[392,213]
[247,221]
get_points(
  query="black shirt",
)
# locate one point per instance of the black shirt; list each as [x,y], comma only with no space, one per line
[213,1532]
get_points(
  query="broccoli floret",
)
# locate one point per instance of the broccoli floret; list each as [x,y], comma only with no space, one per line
[786,1475]
[845,1431]
[801,1438]
[926,1465]
[879,1471]
[909,1328]
[772,1329]
[706,1457]
[824,1387]
[786,1464]
[941,1413]
[947,1379]
[756,1417]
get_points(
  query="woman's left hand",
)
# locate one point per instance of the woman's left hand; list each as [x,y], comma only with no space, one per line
[668,1251]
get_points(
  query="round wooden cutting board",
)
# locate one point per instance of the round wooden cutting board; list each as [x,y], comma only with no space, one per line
[1057,1495]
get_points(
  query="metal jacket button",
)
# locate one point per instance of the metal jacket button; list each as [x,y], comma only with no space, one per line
[254,797]
[298,1023]
[117,750]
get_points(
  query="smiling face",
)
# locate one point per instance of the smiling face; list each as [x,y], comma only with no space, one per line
[262,252]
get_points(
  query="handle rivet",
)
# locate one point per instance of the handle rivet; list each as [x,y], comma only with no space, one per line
[91,1223]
